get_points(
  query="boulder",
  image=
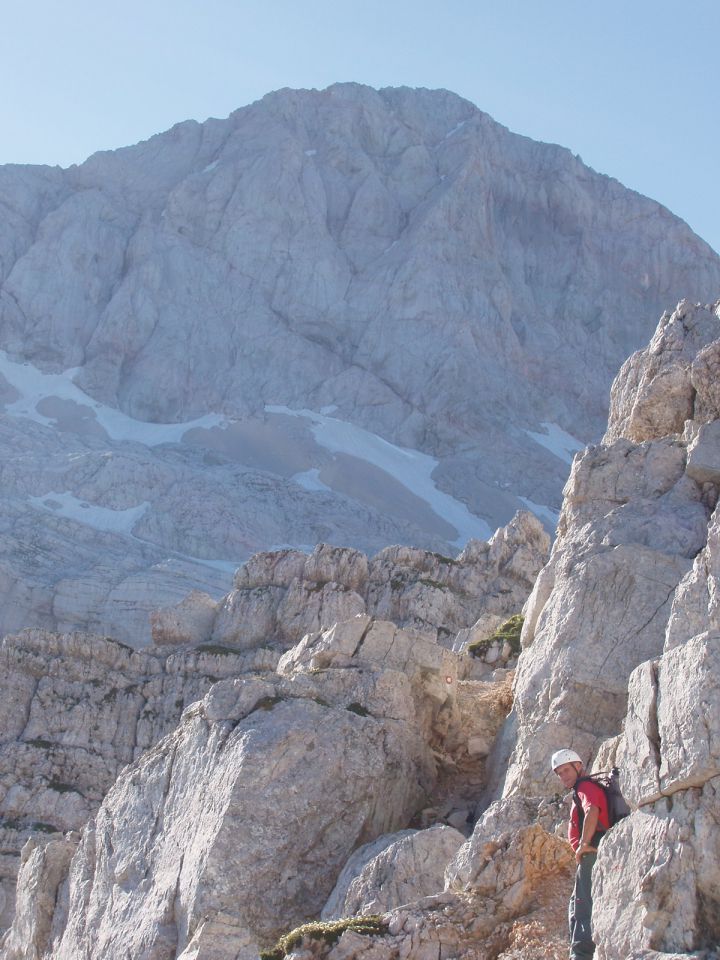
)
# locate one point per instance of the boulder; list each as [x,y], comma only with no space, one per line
[653,395]
[188,622]
[704,454]
[235,841]
[394,870]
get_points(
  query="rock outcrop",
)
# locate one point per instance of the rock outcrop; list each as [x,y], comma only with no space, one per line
[667,899]
[622,634]
[285,327]
[634,519]
[506,895]
[78,708]
[214,840]
[285,594]
[75,709]
[394,870]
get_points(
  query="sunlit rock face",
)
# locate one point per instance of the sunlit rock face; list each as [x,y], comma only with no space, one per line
[631,540]
[621,644]
[353,316]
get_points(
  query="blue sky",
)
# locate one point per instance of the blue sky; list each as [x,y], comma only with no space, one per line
[630,86]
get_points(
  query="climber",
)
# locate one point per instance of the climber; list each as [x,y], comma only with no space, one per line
[588,823]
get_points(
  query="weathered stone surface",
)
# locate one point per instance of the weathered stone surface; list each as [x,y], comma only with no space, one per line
[224,818]
[696,607]
[191,621]
[633,527]
[664,902]
[704,454]
[43,868]
[74,709]
[600,608]
[508,853]
[392,871]
[705,378]
[65,748]
[653,395]
[671,732]
[221,786]
[190,811]
[284,595]
[507,898]
[656,881]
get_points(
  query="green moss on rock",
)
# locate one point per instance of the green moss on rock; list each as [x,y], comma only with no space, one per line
[59,787]
[435,584]
[508,632]
[359,709]
[217,650]
[328,931]
[267,703]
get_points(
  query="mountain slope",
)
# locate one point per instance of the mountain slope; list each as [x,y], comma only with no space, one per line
[386,267]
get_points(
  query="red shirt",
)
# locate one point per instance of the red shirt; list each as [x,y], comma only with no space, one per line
[591,795]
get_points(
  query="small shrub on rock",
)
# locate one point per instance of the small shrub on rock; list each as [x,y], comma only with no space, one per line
[329,931]
[508,632]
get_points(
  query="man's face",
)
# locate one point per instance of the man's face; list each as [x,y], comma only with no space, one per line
[568,773]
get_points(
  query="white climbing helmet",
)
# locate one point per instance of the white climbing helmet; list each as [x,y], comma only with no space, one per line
[564,756]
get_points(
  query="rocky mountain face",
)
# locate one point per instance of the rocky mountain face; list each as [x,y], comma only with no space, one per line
[268,784]
[78,709]
[348,316]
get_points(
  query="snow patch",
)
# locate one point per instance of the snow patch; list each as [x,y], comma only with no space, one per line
[557,441]
[99,518]
[310,480]
[34,386]
[455,129]
[542,512]
[410,467]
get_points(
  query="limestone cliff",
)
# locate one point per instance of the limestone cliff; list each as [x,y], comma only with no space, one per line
[350,316]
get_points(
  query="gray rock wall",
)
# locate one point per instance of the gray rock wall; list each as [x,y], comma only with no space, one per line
[285,594]
[390,261]
[635,519]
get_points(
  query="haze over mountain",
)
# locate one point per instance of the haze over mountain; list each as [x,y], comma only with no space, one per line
[355,316]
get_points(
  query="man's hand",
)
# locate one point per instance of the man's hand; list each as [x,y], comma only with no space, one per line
[582,850]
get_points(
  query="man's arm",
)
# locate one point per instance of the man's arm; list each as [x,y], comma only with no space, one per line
[589,827]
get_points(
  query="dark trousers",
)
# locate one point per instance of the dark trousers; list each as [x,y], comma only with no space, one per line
[580,910]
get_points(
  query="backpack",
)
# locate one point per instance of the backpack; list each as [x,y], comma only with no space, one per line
[609,783]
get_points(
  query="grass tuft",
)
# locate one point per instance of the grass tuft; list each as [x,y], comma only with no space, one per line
[508,632]
[217,650]
[328,931]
